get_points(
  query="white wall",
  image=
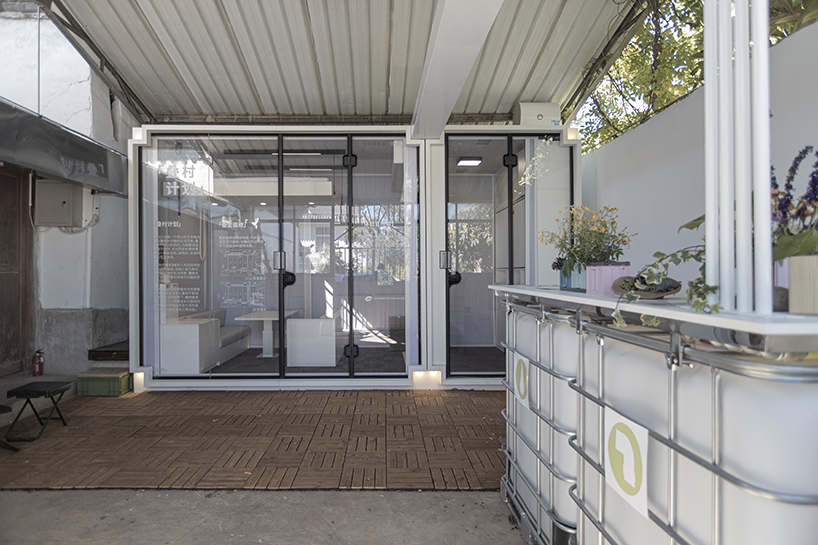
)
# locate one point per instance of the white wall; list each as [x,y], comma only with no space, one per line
[654,174]
[794,121]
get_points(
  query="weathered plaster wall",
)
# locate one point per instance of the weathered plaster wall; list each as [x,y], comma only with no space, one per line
[81,279]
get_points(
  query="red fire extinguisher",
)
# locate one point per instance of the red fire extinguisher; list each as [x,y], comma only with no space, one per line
[37,363]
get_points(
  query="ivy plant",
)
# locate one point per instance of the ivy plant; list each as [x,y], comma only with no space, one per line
[654,278]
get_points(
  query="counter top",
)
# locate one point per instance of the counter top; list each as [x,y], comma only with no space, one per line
[780,324]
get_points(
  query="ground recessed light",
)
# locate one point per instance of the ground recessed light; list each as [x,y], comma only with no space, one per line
[263,203]
[469,161]
[214,204]
[310,202]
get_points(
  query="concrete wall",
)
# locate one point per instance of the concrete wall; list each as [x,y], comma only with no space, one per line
[81,279]
[654,174]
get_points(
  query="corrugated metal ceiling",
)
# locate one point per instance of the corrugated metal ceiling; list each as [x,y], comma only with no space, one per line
[187,59]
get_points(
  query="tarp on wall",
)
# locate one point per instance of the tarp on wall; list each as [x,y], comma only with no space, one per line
[31,141]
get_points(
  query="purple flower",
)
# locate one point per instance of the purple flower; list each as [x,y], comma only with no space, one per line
[812,186]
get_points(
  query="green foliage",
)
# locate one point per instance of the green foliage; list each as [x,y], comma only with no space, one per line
[470,237]
[662,63]
[692,225]
[803,243]
[787,16]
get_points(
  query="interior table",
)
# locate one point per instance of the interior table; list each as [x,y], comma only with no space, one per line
[268,317]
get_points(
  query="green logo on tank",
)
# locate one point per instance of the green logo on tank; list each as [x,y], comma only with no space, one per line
[626,468]
[522,379]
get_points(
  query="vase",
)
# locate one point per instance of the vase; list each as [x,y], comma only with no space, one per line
[574,281]
[600,276]
[804,284]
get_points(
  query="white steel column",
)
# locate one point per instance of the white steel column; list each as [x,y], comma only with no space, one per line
[711,146]
[744,180]
[761,157]
[726,157]
[737,154]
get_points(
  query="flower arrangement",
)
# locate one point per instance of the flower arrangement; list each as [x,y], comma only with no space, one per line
[795,229]
[586,236]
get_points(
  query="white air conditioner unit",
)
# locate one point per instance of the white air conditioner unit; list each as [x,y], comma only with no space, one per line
[537,114]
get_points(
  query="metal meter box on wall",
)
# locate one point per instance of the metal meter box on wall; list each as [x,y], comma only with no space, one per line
[58,204]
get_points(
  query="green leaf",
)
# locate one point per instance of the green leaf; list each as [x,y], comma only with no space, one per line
[659,256]
[692,225]
[804,243]
[631,298]
[619,321]
[653,277]
[649,321]
[698,304]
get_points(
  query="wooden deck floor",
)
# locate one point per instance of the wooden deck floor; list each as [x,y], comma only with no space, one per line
[431,440]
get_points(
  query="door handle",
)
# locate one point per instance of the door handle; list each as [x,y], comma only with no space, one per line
[453,278]
[288,278]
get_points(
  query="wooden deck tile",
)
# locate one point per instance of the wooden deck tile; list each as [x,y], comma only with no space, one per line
[367,443]
[443,440]
[442,444]
[323,460]
[360,478]
[367,431]
[407,459]
[480,443]
[196,458]
[371,459]
[409,479]
[369,419]
[225,477]
[282,478]
[435,419]
[341,409]
[455,479]
[438,431]
[329,444]
[318,479]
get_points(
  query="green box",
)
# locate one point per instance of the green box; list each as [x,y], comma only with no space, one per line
[104,382]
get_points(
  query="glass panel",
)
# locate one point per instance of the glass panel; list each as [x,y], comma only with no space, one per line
[316,244]
[385,257]
[208,237]
[548,177]
[475,196]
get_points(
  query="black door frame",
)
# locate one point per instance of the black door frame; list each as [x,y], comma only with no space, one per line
[509,161]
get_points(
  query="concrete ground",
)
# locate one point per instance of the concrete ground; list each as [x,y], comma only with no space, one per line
[242,517]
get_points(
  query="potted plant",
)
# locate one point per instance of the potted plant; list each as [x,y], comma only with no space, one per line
[652,282]
[589,240]
[795,235]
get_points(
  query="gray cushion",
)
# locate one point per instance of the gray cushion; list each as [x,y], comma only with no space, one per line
[231,334]
[219,313]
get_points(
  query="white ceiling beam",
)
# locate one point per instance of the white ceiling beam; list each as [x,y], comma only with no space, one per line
[458,32]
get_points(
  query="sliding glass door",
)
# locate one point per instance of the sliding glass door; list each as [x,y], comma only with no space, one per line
[315,236]
[279,256]
[487,240]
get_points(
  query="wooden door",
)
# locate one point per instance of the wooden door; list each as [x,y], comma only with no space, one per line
[16,309]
